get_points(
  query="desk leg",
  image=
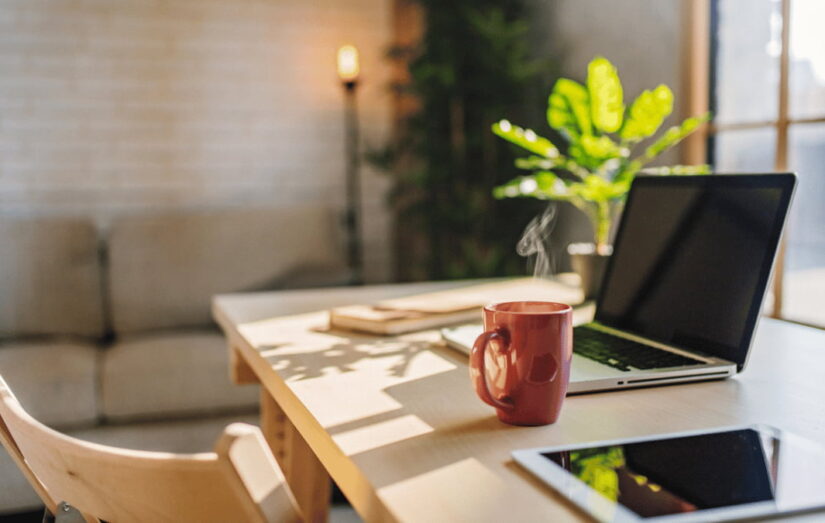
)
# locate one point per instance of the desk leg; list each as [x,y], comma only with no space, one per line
[239,370]
[308,479]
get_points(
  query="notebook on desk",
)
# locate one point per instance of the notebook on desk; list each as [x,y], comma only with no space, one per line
[683,289]
[438,309]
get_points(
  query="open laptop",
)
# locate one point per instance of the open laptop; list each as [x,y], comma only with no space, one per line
[683,289]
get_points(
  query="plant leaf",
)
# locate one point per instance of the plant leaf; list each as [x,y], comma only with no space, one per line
[600,147]
[674,135]
[526,139]
[591,152]
[647,113]
[679,169]
[532,163]
[551,185]
[597,189]
[670,138]
[568,108]
[606,96]
[542,185]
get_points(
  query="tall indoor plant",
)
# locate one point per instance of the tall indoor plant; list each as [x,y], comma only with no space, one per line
[471,66]
[607,144]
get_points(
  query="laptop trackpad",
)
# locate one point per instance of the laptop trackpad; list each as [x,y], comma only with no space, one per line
[584,369]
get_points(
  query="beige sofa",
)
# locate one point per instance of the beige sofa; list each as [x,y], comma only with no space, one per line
[107,335]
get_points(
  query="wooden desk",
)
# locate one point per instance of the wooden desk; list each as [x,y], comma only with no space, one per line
[395,423]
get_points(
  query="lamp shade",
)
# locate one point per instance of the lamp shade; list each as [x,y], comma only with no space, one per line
[348,66]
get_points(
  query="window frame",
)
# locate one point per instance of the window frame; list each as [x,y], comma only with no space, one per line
[701,30]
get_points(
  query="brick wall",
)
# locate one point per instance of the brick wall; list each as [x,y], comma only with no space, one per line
[109,107]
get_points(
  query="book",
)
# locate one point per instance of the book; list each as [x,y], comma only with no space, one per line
[443,308]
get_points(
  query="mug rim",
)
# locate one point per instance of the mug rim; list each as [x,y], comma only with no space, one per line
[492,307]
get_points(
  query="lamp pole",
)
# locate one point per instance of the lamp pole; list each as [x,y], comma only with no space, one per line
[348,71]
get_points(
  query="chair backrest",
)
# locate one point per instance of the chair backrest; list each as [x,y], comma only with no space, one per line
[239,481]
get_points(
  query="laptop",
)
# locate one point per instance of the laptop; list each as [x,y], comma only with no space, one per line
[684,287]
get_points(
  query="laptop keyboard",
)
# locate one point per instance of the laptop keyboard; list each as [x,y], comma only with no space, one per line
[621,353]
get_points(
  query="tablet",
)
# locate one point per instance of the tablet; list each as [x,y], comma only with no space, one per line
[719,474]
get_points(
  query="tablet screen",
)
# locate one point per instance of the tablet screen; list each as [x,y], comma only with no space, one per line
[699,472]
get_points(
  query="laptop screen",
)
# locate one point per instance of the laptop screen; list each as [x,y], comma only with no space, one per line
[692,259]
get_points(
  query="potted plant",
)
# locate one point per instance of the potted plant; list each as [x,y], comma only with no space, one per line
[607,144]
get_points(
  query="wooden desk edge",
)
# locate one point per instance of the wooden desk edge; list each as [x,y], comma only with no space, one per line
[246,367]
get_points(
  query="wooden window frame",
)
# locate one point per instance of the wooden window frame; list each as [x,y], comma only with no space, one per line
[697,65]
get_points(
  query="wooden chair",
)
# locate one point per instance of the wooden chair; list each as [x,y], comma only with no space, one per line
[239,481]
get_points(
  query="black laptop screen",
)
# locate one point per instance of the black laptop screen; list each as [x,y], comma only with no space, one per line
[692,259]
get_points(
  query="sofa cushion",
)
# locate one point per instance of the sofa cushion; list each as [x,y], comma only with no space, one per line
[163,270]
[50,277]
[55,382]
[162,375]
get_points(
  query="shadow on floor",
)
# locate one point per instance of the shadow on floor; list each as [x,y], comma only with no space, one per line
[35,516]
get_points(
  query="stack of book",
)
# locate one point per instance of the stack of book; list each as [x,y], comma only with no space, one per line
[443,308]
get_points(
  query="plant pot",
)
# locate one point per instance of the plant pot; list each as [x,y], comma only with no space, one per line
[590,267]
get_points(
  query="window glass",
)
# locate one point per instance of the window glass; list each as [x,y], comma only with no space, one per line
[804,282]
[749,43]
[745,150]
[807,59]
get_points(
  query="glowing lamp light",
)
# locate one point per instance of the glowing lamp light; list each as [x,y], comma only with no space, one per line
[348,67]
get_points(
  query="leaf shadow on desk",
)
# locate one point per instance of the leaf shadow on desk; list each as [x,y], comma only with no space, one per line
[342,358]
[463,428]
[461,424]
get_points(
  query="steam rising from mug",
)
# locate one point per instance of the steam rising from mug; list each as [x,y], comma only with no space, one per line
[535,239]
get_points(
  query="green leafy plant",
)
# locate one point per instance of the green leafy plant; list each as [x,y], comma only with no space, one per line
[605,145]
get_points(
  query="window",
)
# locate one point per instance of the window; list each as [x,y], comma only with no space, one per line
[766,88]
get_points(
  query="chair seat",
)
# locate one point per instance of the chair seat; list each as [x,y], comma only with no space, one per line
[168,374]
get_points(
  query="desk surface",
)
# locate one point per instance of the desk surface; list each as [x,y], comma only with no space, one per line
[395,421]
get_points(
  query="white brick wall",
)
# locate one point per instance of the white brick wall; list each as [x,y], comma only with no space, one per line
[113,106]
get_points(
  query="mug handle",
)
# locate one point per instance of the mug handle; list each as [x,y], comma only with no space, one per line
[478,372]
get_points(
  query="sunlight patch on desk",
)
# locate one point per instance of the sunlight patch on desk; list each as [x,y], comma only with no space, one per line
[431,496]
[382,433]
[337,396]
[287,330]
[335,402]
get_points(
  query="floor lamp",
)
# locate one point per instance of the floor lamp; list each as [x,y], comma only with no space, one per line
[348,71]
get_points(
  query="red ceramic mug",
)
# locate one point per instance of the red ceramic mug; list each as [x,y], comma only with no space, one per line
[530,344]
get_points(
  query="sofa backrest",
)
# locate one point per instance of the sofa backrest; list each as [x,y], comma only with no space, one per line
[50,277]
[163,270]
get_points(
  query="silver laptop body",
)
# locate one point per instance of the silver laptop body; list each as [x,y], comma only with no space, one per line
[588,375]
[691,262]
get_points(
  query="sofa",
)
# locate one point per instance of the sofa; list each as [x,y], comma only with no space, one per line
[105,331]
